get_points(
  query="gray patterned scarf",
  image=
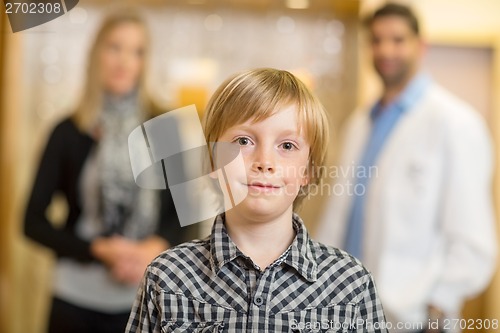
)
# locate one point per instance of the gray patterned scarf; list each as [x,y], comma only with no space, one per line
[112,202]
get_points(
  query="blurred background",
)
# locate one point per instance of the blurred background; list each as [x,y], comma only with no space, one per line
[195,45]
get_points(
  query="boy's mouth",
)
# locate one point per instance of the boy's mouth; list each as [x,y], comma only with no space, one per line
[262,186]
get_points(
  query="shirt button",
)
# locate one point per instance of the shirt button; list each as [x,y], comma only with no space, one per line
[258,300]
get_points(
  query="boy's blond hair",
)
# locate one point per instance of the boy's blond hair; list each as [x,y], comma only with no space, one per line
[258,94]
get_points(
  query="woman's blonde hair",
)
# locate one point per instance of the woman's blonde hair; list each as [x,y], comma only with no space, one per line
[258,94]
[88,110]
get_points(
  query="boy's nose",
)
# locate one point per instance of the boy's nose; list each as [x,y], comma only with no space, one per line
[265,167]
[264,161]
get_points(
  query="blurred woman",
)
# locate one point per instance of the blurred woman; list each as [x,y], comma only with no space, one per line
[113,228]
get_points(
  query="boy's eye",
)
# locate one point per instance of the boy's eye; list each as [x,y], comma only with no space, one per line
[243,141]
[288,146]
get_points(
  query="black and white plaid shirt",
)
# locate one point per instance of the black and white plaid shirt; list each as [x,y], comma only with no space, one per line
[211,286]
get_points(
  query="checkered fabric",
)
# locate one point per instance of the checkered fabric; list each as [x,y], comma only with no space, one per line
[211,286]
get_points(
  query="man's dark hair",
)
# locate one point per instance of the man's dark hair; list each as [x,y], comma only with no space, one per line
[394,9]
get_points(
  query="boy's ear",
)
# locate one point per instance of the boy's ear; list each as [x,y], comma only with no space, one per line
[306,177]
[211,163]
[305,180]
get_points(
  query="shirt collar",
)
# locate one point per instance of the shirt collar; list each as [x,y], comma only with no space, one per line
[222,248]
[413,91]
[299,254]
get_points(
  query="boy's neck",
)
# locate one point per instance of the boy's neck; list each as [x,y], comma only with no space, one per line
[263,241]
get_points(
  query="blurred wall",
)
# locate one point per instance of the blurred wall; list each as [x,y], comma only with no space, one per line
[9,156]
[4,227]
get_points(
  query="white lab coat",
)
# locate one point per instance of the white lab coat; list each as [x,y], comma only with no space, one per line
[429,231]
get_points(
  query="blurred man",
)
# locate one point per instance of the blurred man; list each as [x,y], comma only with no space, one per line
[417,171]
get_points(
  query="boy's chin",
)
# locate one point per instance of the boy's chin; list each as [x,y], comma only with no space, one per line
[263,207]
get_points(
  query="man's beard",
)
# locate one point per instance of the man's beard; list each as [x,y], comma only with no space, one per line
[397,78]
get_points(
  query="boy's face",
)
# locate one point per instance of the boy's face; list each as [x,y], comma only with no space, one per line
[275,154]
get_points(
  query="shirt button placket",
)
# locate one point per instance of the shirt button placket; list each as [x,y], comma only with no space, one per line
[258,300]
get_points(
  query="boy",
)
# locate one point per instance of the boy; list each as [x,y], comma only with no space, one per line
[259,271]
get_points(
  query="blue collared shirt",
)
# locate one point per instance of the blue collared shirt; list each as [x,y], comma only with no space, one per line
[383,121]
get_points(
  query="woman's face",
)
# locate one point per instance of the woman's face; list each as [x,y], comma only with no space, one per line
[122,58]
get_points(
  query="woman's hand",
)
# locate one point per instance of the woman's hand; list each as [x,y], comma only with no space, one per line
[127,259]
